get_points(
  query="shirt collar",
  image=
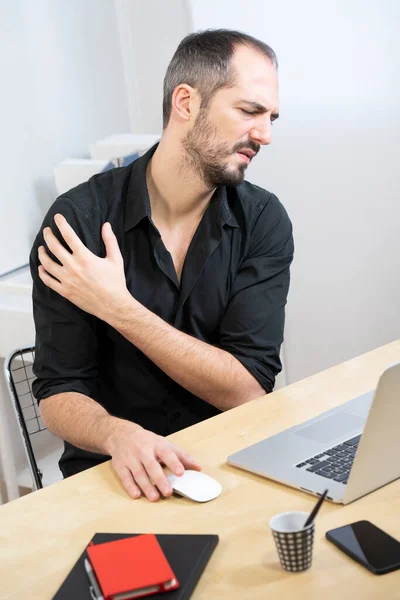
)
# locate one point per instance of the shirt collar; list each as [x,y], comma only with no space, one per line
[222,208]
[138,201]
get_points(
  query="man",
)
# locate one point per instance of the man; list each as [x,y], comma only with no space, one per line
[159,288]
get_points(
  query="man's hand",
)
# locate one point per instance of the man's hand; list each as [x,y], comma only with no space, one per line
[96,285]
[137,456]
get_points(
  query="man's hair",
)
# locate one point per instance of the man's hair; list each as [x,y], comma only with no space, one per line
[203,61]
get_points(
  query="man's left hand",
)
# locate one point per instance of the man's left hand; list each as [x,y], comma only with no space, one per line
[96,285]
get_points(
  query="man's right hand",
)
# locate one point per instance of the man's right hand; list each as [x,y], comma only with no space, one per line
[137,455]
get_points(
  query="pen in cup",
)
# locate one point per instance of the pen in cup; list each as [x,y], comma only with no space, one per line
[315,510]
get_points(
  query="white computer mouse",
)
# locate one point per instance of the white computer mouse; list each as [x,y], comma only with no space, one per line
[195,485]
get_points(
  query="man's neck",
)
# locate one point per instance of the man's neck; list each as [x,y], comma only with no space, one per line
[176,193]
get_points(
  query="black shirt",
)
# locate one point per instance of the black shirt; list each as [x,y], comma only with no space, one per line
[232,295]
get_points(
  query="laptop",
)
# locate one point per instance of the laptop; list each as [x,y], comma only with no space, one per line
[352,449]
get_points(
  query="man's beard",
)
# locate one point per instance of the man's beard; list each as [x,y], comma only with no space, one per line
[207,157]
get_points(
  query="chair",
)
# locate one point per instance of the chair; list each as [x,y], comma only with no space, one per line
[42,448]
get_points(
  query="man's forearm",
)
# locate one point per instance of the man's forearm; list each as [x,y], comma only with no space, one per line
[81,421]
[208,372]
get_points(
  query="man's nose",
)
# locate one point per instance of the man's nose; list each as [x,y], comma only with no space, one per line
[262,134]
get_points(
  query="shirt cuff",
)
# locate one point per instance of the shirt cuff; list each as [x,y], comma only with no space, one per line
[263,374]
[45,389]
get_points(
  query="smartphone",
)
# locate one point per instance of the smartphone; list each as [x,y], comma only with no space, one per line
[368,545]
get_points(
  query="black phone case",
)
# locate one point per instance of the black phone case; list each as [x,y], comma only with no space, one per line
[356,558]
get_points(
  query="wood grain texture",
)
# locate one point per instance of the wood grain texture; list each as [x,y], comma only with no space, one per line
[42,534]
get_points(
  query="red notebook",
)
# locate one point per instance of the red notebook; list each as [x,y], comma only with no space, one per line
[133,567]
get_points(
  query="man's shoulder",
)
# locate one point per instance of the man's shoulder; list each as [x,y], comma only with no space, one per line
[255,202]
[101,190]
[264,219]
[88,205]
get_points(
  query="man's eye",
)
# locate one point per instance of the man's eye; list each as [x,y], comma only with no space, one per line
[247,112]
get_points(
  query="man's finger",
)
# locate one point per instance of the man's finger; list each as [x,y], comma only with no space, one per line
[52,283]
[127,481]
[111,243]
[169,456]
[69,234]
[188,461]
[158,476]
[55,246]
[48,264]
[142,480]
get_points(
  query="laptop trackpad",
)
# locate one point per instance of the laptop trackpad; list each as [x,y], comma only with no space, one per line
[332,427]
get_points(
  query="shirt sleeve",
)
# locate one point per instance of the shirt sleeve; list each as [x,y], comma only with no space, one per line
[252,327]
[66,339]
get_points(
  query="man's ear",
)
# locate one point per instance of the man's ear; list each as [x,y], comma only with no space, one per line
[185,102]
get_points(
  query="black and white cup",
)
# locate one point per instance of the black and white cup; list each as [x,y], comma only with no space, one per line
[294,542]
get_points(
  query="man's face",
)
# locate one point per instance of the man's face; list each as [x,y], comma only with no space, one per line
[238,120]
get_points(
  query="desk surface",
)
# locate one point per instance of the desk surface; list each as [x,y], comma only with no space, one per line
[42,535]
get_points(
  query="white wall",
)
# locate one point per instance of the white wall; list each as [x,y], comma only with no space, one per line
[149,33]
[62,88]
[334,164]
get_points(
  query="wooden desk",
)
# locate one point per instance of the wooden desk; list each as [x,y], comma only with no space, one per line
[42,535]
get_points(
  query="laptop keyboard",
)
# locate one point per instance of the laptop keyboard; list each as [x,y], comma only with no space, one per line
[334,463]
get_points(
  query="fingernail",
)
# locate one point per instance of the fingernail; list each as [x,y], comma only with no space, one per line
[154,496]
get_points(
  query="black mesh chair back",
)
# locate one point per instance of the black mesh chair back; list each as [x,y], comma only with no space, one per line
[19,377]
